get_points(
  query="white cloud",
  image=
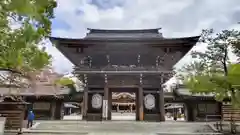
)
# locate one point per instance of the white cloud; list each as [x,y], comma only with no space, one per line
[176,17]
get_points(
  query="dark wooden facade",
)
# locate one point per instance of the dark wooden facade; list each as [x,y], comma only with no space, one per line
[50,107]
[139,61]
[229,113]
[46,106]
[13,111]
[124,101]
[198,107]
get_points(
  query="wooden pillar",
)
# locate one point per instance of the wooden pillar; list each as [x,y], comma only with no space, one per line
[140,103]
[131,108]
[117,107]
[82,107]
[190,112]
[105,103]
[70,111]
[53,109]
[185,112]
[220,109]
[58,110]
[85,103]
[161,104]
[109,104]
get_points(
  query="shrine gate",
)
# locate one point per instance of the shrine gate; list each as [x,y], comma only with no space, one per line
[137,61]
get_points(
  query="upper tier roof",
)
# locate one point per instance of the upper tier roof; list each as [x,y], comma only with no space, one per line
[140,36]
[126,34]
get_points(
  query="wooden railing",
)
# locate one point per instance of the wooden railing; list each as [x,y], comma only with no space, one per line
[217,119]
[229,113]
[14,114]
[122,68]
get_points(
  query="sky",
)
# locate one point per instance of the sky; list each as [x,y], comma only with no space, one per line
[177,18]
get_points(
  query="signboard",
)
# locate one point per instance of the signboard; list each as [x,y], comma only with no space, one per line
[105,108]
[41,106]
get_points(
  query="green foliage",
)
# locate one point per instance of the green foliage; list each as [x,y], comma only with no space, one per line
[19,47]
[213,72]
[64,81]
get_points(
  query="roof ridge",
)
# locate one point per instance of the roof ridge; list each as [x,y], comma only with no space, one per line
[153,30]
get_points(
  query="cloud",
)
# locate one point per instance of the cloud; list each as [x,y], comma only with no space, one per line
[176,17]
[107,4]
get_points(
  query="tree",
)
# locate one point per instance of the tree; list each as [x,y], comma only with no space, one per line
[213,72]
[69,83]
[20,53]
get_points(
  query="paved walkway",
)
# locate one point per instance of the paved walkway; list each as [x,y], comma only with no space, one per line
[118,127]
[116,116]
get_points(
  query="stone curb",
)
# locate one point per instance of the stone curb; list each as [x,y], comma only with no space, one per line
[26,131]
[54,132]
[184,133]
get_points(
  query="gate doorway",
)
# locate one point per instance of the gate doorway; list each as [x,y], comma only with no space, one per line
[175,112]
[123,103]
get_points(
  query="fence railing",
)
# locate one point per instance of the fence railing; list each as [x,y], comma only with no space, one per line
[217,119]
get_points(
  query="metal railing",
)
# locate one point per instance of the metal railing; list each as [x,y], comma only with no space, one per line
[217,119]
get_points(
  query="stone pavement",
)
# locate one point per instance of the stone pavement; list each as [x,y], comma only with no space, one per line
[118,127]
[115,116]
[2,122]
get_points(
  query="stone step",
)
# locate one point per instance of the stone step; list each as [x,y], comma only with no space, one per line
[114,133]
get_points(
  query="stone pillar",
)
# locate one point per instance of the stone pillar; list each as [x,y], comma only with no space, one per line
[105,103]
[85,103]
[161,104]
[140,103]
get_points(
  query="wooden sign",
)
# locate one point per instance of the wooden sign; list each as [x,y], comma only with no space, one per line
[105,108]
[41,106]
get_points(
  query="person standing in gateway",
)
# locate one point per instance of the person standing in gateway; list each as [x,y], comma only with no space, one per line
[30,119]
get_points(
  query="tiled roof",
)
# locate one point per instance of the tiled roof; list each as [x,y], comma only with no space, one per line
[43,90]
[44,85]
[118,34]
[186,92]
[124,95]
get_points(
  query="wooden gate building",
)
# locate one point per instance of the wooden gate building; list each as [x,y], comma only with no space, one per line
[137,61]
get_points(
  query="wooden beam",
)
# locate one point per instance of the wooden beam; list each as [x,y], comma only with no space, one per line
[122,86]
[140,102]
[161,100]
[158,42]
[161,104]
[85,104]
[105,103]
[122,72]
[53,110]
